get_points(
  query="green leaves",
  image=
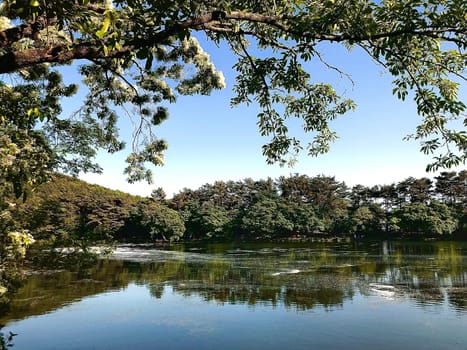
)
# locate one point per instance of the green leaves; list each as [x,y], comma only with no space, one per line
[104,28]
[282,85]
[161,222]
[427,65]
[433,218]
[144,53]
[160,115]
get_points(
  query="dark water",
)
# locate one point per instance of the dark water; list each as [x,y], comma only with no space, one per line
[390,295]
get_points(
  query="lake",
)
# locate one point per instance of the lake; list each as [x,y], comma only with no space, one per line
[346,295]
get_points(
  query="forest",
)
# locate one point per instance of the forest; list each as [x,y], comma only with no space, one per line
[131,60]
[71,212]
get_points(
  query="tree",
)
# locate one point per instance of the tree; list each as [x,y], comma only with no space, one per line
[141,54]
[452,187]
[159,195]
[209,220]
[445,183]
[137,53]
[14,240]
[414,190]
[303,218]
[69,212]
[360,195]
[267,218]
[369,219]
[154,221]
[421,218]
[389,195]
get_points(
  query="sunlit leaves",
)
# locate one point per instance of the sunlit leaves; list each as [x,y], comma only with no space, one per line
[157,220]
[105,25]
[427,67]
[145,54]
[153,153]
[433,218]
[281,84]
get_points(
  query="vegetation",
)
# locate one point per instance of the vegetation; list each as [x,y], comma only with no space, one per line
[142,54]
[258,273]
[70,212]
[150,221]
[73,213]
[299,206]
[67,212]
[6,341]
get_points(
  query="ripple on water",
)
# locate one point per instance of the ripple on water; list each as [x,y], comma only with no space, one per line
[136,254]
[286,272]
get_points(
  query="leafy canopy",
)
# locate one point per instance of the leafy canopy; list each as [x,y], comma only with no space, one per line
[135,56]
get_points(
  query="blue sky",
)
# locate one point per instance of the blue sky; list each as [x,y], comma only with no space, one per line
[209,140]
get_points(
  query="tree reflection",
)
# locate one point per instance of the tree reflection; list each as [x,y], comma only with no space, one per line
[295,277]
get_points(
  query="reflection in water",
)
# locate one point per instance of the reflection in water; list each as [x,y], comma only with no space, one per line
[293,276]
[340,296]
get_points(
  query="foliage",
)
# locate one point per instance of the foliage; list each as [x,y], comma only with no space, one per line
[136,57]
[155,222]
[145,53]
[302,205]
[216,210]
[69,212]
[415,190]
[452,187]
[209,221]
[304,218]
[327,196]
[266,219]
[361,220]
[13,243]
[421,218]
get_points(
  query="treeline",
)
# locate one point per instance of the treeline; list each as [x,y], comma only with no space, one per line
[71,212]
[300,205]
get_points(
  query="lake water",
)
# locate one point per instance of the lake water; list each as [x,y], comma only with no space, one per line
[388,295]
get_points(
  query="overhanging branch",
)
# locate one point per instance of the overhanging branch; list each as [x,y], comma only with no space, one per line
[30,30]
[216,21]
[62,53]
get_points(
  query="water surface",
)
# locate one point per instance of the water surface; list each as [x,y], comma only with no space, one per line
[259,296]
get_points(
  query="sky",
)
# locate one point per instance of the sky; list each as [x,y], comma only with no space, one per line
[210,141]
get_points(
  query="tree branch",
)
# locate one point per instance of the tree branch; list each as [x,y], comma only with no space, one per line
[30,30]
[62,53]
[215,21]
[13,61]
